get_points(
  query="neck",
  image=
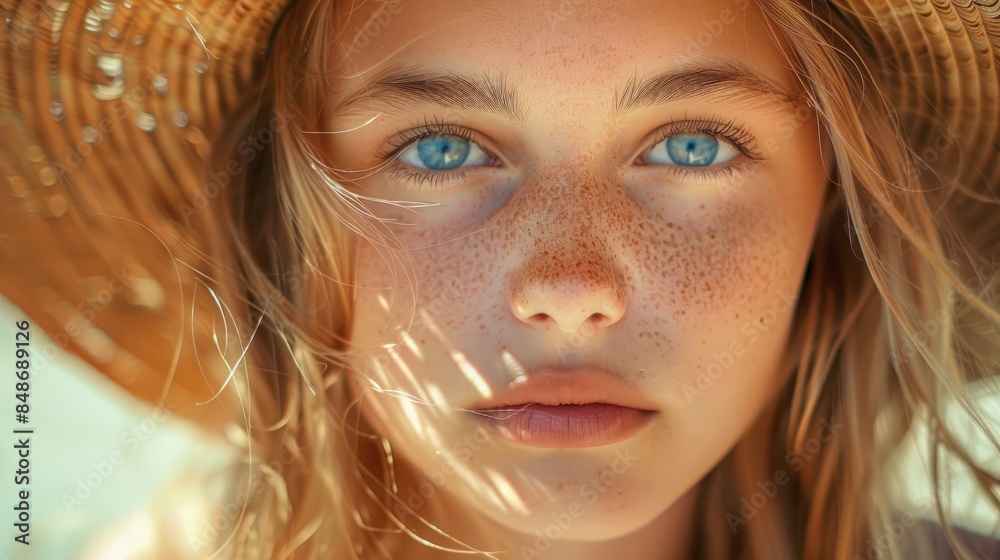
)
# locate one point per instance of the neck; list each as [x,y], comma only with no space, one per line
[670,535]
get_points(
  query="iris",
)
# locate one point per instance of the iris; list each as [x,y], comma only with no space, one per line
[692,148]
[442,151]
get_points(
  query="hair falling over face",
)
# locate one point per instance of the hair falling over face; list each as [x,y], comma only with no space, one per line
[896,320]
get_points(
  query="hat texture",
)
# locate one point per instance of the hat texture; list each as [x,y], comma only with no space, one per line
[108,221]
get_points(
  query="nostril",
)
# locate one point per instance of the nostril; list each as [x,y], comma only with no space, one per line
[573,306]
[597,320]
[586,327]
[592,324]
[548,322]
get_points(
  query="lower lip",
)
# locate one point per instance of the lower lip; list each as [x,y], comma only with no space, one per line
[568,425]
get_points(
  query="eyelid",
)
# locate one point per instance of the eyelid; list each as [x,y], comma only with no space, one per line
[432,127]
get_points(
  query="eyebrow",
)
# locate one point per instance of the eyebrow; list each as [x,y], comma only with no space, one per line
[737,81]
[401,87]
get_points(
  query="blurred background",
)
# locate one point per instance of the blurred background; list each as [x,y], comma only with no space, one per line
[106,471]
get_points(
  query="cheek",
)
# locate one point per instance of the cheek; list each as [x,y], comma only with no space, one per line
[721,282]
[708,266]
[416,310]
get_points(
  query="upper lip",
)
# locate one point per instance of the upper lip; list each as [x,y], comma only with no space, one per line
[577,386]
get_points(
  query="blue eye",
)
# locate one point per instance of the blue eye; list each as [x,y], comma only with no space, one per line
[441,152]
[690,149]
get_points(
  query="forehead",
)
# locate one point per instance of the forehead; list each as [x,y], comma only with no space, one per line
[561,45]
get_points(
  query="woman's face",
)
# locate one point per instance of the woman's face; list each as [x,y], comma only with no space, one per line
[632,189]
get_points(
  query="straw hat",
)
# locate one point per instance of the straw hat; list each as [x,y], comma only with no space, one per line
[108,112]
[108,226]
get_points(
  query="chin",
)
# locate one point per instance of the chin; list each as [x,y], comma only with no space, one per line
[583,513]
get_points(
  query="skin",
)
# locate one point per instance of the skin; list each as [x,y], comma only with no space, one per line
[565,251]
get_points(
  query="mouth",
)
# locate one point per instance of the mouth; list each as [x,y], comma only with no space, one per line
[566,409]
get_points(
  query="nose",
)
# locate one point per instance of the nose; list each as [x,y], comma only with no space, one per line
[573,289]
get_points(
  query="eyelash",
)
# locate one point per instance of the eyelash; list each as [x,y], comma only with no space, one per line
[430,127]
[730,132]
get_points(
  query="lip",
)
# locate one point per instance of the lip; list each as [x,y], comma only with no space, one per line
[582,407]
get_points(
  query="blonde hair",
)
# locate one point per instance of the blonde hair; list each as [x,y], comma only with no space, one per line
[896,251]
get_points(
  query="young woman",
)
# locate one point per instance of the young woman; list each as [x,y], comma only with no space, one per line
[564,280]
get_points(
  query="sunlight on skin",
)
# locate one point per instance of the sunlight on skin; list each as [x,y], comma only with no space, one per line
[432,325]
[437,396]
[413,416]
[408,373]
[435,438]
[510,495]
[537,486]
[380,377]
[491,494]
[515,367]
[408,341]
[475,479]
[513,260]
[471,374]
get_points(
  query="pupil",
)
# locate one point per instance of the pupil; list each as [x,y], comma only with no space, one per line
[441,152]
[692,149]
